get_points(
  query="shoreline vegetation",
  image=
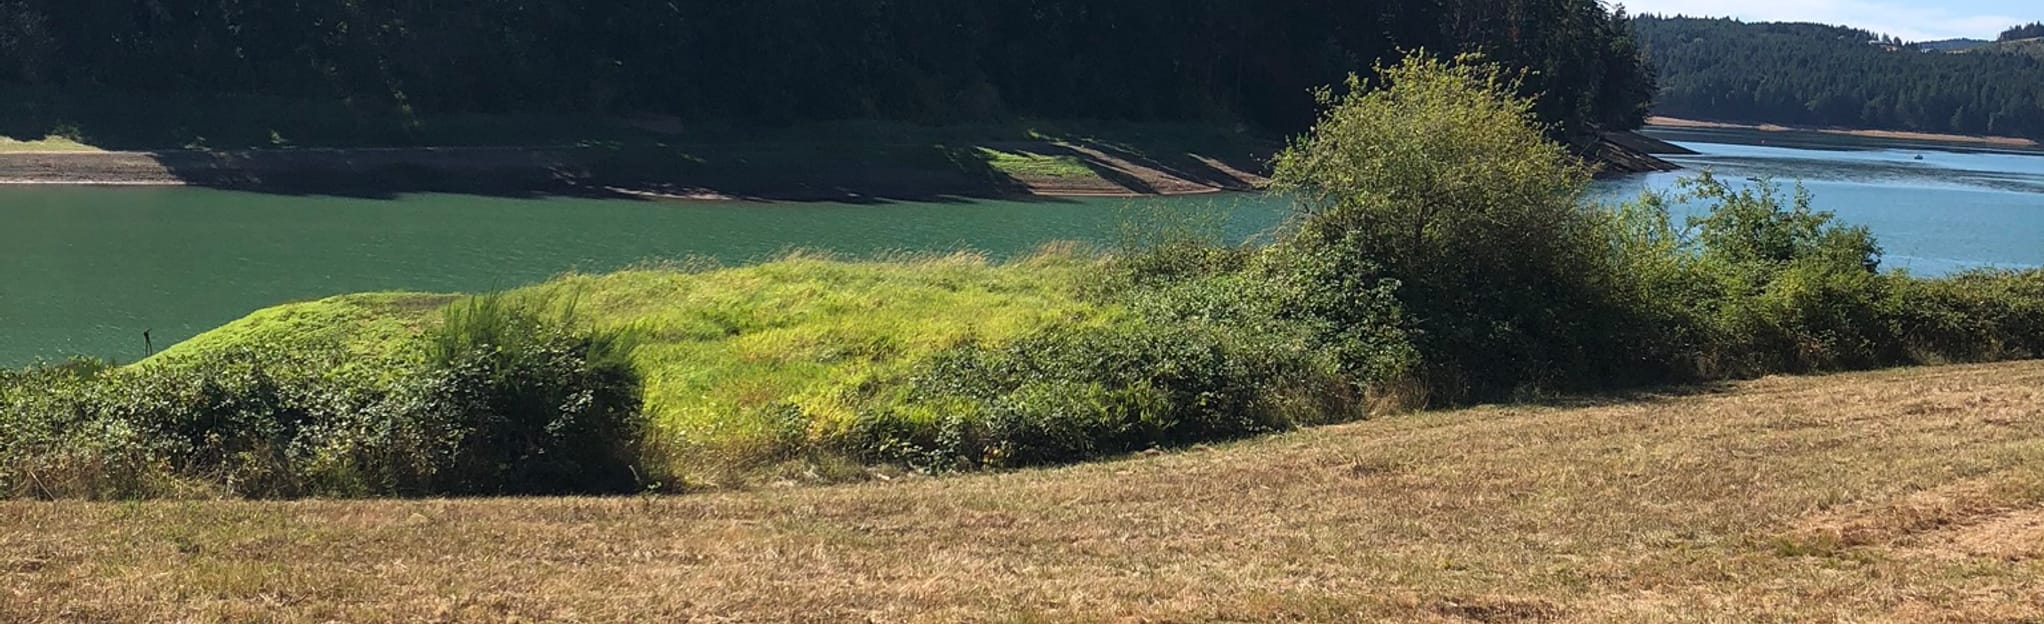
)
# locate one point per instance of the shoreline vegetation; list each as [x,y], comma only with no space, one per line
[1406,279]
[1931,137]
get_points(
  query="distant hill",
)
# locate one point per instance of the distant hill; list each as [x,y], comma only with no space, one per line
[1817,75]
[2031,30]
[1952,45]
[2033,48]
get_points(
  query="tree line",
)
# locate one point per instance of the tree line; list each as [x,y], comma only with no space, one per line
[797,60]
[2031,30]
[1811,74]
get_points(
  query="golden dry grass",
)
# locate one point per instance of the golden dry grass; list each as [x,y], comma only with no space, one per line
[1911,496]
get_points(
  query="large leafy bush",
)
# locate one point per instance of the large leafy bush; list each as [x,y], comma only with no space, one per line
[511,398]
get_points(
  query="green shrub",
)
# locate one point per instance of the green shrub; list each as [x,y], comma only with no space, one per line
[1977,316]
[1200,361]
[515,399]
[521,401]
[237,422]
[1761,283]
[1437,180]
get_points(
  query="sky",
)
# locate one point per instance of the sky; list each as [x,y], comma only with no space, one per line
[1913,20]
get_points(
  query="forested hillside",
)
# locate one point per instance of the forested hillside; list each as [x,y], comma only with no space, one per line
[2031,30]
[796,60]
[1808,74]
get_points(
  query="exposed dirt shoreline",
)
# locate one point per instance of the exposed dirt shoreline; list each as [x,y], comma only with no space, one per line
[711,172]
[1996,141]
[757,175]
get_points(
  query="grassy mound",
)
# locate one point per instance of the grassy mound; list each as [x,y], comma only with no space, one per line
[739,369]
[729,355]
[804,367]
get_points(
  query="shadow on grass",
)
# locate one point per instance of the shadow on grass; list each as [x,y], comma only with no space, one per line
[1633,396]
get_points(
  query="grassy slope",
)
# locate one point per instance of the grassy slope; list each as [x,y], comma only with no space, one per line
[723,349]
[1914,495]
[45,144]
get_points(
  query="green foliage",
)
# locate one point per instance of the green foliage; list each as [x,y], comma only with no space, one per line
[2031,30]
[238,422]
[528,403]
[1203,360]
[1979,316]
[1442,236]
[1437,180]
[376,69]
[1761,283]
[517,403]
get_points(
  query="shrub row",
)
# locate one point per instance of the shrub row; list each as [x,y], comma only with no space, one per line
[509,400]
[1198,361]
[1440,229]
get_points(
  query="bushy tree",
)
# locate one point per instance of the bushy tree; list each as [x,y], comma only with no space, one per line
[1438,177]
[1760,282]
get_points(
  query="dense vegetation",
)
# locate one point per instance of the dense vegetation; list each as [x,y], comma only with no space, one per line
[78,65]
[1442,253]
[1809,74]
[2031,30]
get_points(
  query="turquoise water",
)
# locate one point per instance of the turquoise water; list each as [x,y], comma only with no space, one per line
[1955,208]
[88,270]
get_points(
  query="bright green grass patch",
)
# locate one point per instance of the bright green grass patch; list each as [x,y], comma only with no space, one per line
[1034,165]
[373,333]
[727,354]
[46,144]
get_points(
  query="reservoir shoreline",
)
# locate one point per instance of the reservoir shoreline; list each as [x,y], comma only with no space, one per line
[762,171]
[769,174]
[1891,135]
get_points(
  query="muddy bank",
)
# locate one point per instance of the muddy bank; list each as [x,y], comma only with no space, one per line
[777,173]
[763,172]
[1994,141]
[1619,153]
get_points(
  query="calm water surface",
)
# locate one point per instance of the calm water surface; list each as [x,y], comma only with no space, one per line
[1936,209]
[87,270]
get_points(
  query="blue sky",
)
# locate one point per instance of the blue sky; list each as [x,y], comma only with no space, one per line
[1915,20]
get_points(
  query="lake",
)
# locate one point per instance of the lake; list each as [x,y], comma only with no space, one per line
[1936,208]
[88,270]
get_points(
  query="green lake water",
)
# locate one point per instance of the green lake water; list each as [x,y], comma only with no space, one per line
[88,270]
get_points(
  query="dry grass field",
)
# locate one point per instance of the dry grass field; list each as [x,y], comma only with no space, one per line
[1904,496]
